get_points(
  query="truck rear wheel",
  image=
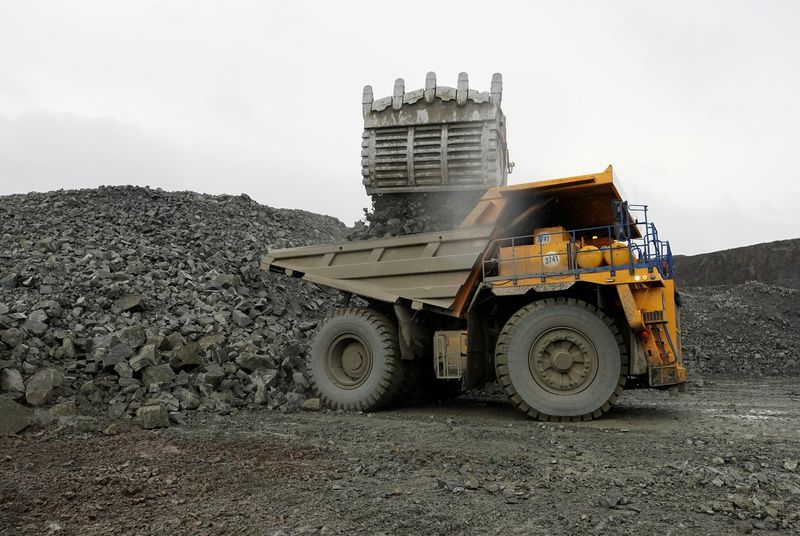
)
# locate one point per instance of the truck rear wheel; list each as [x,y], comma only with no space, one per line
[560,360]
[355,360]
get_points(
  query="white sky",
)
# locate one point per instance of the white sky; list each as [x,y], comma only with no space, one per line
[697,104]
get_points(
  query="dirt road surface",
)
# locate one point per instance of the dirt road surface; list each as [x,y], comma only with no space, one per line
[718,459]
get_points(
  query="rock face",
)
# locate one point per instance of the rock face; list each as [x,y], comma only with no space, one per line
[138,297]
[776,263]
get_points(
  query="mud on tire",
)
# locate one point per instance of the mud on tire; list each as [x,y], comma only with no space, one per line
[561,360]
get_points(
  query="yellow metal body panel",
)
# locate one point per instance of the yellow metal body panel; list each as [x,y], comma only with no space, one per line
[533,259]
[548,235]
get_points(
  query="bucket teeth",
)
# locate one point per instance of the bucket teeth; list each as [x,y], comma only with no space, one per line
[461,93]
[399,92]
[430,87]
[462,90]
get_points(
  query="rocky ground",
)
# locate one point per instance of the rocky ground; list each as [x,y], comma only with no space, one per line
[125,312]
[720,459]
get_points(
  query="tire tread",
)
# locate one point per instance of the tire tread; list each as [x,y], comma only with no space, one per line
[501,359]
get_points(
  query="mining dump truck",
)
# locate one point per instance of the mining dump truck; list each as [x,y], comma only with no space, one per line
[559,290]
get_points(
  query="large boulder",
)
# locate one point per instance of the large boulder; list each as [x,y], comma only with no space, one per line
[13,417]
[11,380]
[157,374]
[40,386]
[154,416]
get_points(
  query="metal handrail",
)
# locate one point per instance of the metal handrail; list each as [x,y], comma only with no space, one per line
[646,252]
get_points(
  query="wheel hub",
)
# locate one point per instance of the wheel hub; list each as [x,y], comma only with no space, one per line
[563,361]
[348,361]
[353,359]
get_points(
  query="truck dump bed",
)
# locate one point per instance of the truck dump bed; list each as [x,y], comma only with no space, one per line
[428,268]
[440,269]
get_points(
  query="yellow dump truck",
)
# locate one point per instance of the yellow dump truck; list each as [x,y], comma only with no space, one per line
[558,289]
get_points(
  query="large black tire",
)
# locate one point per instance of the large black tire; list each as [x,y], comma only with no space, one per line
[561,360]
[355,361]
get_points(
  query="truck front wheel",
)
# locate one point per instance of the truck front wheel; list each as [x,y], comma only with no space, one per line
[355,360]
[561,359]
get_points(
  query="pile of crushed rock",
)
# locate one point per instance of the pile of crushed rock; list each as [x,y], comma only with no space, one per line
[127,301]
[752,329]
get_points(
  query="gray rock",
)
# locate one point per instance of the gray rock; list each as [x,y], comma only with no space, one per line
[38,315]
[611,500]
[311,404]
[12,337]
[188,399]
[294,401]
[116,410]
[127,303]
[454,486]
[40,386]
[133,336]
[157,374]
[112,429]
[300,380]
[241,319]
[68,348]
[102,343]
[214,373]
[13,417]
[224,281]
[740,501]
[34,326]
[118,353]
[65,408]
[172,341]
[11,380]
[81,423]
[123,370]
[187,355]
[211,341]
[169,402]
[252,362]
[147,356]
[151,417]
[177,417]
[263,379]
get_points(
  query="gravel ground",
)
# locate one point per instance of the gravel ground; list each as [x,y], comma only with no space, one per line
[720,458]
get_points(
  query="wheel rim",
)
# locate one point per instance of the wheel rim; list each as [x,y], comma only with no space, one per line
[563,361]
[348,361]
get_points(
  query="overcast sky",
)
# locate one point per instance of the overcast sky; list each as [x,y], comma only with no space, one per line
[696,104]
